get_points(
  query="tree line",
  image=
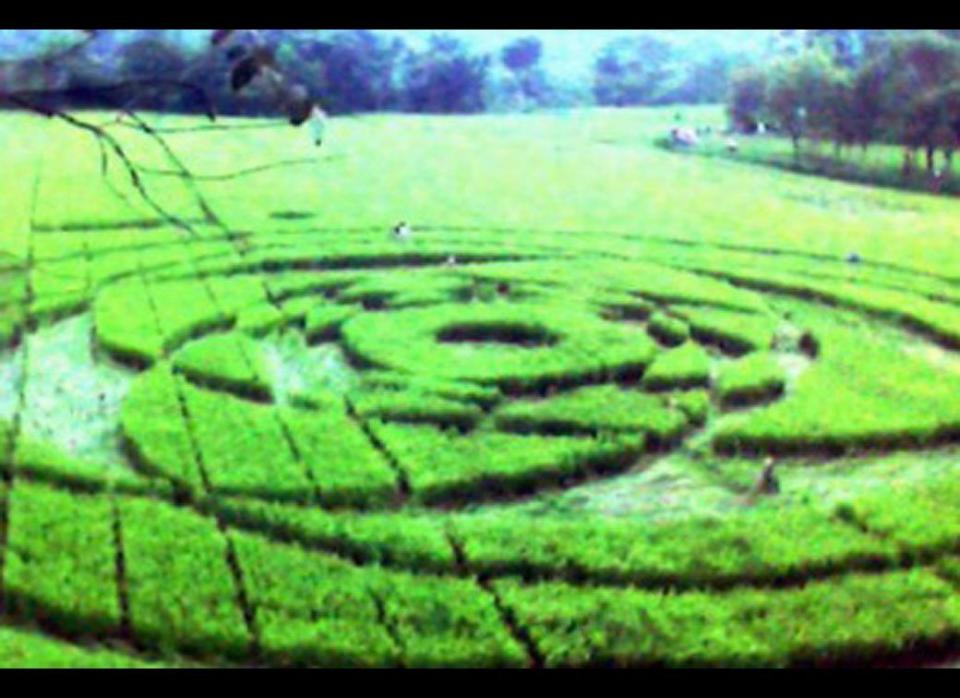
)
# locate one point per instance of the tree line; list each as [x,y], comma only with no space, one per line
[364,71]
[854,88]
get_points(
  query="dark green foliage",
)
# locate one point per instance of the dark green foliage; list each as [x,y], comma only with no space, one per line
[734,332]
[593,410]
[443,465]
[185,309]
[154,428]
[323,321]
[583,345]
[863,614]
[346,468]
[60,562]
[845,400]
[230,362]
[756,545]
[446,622]
[27,649]
[668,330]
[312,609]
[414,406]
[125,323]
[243,447]
[756,377]
[397,539]
[182,594]
[44,461]
[687,366]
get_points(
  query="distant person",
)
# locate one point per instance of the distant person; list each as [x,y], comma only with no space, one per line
[937,181]
[767,483]
[685,137]
[402,231]
[318,125]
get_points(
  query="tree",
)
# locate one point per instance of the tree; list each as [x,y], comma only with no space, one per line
[867,103]
[152,55]
[522,54]
[445,78]
[631,71]
[800,94]
[528,82]
[748,88]
[917,65]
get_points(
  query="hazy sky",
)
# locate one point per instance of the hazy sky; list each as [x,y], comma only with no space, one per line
[572,51]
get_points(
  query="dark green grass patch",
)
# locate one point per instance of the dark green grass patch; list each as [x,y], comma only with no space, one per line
[668,330]
[754,378]
[243,447]
[323,321]
[446,622]
[60,564]
[346,468]
[155,431]
[260,319]
[734,332]
[686,366]
[595,409]
[407,288]
[413,541]
[312,609]
[757,545]
[484,395]
[414,406]
[856,395]
[921,519]
[181,591]
[44,461]
[695,404]
[185,310]
[29,649]
[848,619]
[125,323]
[444,465]
[230,362]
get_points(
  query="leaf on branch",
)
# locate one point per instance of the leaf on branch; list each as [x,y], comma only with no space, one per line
[235,53]
[244,72]
[219,36]
[299,105]
[264,56]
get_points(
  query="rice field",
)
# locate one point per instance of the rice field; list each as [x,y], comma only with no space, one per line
[526,435]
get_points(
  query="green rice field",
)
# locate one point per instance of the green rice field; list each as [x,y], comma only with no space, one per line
[264,431]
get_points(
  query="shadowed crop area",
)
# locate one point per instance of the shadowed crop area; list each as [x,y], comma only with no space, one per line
[526,433]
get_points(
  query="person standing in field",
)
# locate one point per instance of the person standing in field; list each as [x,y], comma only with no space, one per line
[318,124]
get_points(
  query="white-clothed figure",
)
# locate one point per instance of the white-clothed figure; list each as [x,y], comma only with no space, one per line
[318,125]
[402,231]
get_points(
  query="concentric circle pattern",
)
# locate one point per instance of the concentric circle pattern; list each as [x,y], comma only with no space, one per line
[483,446]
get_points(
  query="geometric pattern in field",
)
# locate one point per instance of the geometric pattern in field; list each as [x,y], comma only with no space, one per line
[331,448]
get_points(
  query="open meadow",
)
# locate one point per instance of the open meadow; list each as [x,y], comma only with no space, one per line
[525,435]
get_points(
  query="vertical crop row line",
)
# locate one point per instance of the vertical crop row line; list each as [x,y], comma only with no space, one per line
[123,595]
[403,481]
[233,563]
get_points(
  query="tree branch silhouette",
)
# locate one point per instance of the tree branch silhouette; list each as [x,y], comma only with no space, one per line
[251,61]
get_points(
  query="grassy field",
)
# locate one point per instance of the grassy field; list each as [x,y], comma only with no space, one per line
[527,436]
